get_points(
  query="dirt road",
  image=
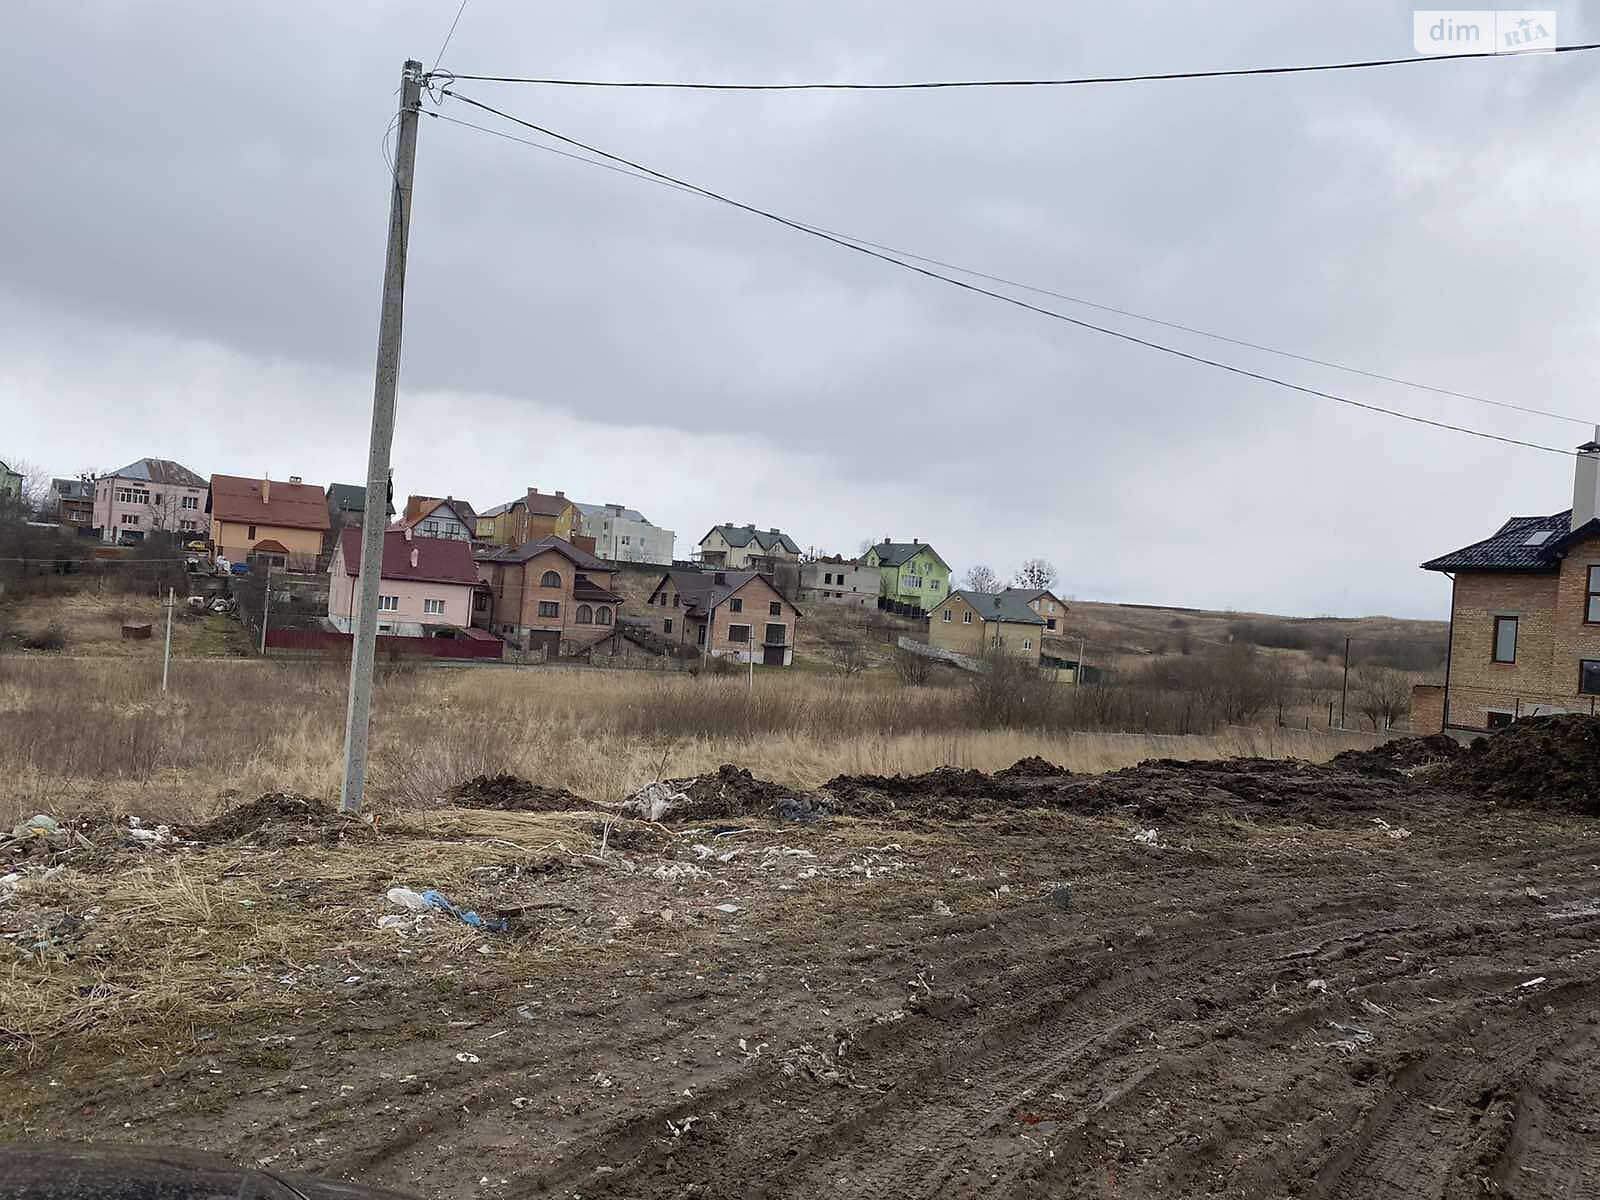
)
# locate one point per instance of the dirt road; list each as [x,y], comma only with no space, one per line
[1316,982]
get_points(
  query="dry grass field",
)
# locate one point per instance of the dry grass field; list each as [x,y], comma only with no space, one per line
[90,622]
[80,733]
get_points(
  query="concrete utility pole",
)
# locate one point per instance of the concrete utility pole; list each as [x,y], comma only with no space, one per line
[374,518]
[266,607]
[166,654]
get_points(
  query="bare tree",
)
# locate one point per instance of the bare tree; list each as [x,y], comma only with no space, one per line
[848,655]
[911,668]
[1036,574]
[1383,694]
[35,491]
[980,578]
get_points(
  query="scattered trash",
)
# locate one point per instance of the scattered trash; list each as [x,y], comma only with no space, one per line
[493,924]
[941,909]
[801,808]
[1376,1010]
[1535,981]
[1148,837]
[396,921]
[161,835]
[703,852]
[679,872]
[808,1060]
[1355,1038]
[1061,896]
[520,1102]
[464,1057]
[45,829]
[1393,831]
[1534,894]
[406,898]
[1317,985]
[679,1128]
[653,801]
[726,908]
[1144,933]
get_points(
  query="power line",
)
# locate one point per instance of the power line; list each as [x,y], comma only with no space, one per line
[1044,291]
[449,35]
[1078,81]
[1001,296]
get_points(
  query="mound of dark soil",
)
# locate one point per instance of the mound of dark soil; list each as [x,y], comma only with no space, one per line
[279,818]
[1538,762]
[1401,754]
[511,793]
[1032,767]
[731,792]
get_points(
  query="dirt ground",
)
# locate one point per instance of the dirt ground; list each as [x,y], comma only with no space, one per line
[1241,978]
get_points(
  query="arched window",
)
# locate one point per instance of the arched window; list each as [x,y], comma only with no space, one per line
[551,579]
[586,615]
[602,616]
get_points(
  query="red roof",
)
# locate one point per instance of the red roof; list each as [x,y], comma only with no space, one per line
[438,560]
[269,546]
[288,505]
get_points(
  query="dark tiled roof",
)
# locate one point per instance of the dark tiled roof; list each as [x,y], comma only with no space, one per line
[289,505]
[347,497]
[607,510]
[545,504]
[701,592]
[519,554]
[584,589]
[160,470]
[439,560]
[1509,548]
[740,536]
[1006,606]
[894,554]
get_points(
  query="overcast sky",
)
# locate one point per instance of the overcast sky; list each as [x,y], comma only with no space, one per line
[196,206]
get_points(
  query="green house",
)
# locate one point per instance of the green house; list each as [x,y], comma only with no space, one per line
[913,578]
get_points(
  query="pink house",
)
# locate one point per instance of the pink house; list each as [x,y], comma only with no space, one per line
[153,495]
[426,589]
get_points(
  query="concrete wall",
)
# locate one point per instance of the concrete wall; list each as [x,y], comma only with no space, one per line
[854,584]
[621,540]
[1552,638]
[166,507]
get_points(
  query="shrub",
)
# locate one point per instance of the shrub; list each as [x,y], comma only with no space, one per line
[52,637]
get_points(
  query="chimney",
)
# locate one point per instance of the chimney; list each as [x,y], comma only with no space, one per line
[561,494]
[406,533]
[615,508]
[533,491]
[916,541]
[413,555]
[266,490]
[295,479]
[719,578]
[1586,483]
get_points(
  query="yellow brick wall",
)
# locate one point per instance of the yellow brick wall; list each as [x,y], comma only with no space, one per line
[1552,638]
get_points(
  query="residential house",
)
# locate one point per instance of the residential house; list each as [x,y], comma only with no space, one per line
[432,517]
[913,579]
[426,587]
[625,534]
[1524,617]
[1046,604]
[152,495]
[981,623]
[547,593]
[71,502]
[837,580]
[10,483]
[733,614]
[275,521]
[528,518]
[746,548]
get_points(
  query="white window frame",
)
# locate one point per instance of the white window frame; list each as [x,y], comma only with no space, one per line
[966,617]
[433,608]
[388,603]
[947,614]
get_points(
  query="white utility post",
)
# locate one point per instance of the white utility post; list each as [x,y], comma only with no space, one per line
[166,654]
[375,515]
[266,607]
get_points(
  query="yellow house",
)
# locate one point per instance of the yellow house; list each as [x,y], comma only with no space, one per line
[278,521]
[981,623]
[529,518]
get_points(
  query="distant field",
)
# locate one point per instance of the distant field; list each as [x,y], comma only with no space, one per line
[91,623]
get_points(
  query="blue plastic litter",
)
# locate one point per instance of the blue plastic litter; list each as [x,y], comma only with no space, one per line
[493,924]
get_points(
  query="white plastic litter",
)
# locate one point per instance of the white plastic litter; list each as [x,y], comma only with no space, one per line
[653,801]
[1148,837]
[464,1057]
[1317,985]
[1535,981]
[406,898]
[679,872]
[727,908]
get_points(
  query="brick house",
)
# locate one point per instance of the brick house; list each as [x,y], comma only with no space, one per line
[426,588]
[152,495]
[978,623]
[548,594]
[528,519]
[71,502]
[726,614]
[1524,616]
[1044,603]
[281,522]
